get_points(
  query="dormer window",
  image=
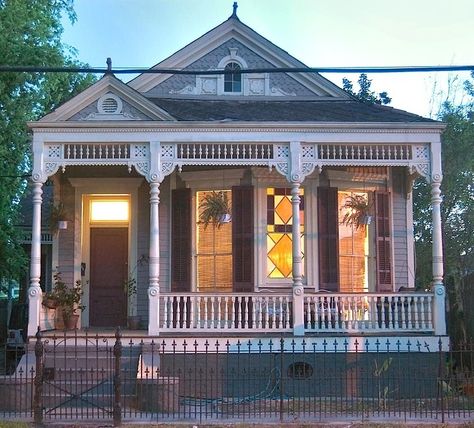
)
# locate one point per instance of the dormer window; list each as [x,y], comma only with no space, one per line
[232,78]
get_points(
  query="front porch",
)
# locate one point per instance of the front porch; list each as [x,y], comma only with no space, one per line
[298,303]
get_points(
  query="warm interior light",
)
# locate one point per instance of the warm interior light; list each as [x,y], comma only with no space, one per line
[116,210]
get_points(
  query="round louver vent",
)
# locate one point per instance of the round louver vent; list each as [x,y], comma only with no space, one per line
[109,104]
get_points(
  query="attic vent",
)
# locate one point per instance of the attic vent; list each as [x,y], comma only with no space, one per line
[109,104]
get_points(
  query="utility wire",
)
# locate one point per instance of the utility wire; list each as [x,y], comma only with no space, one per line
[127,70]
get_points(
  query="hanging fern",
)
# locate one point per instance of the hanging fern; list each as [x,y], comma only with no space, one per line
[213,207]
[358,209]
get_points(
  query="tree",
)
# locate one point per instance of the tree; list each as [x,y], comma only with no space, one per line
[365,94]
[457,209]
[30,35]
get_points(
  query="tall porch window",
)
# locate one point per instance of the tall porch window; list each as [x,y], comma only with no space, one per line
[213,247]
[354,233]
[279,232]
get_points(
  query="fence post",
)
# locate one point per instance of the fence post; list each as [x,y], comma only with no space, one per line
[282,349]
[117,413]
[38,394]
[441,377]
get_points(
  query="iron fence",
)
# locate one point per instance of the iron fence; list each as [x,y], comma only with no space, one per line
[92,377]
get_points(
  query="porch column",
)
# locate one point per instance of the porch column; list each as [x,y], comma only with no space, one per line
[35,295]
[298,290]
[154,262]
[439,308]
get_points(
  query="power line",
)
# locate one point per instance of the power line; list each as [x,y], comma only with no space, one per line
[129,70]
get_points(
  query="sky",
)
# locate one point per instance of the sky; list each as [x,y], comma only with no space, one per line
[320,33]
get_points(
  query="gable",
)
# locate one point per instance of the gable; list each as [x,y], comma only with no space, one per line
[108,99]
[110,107]
[209,53]
[270,84]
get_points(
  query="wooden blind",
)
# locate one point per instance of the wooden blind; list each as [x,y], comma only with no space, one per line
[382,223]
[181,240]
[328,239]
[242,238]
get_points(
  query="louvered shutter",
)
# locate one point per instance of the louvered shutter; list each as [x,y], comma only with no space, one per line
[242,238]
[328,234]
[181,240]
[383,246]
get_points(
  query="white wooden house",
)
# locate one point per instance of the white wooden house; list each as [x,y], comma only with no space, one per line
[133,164]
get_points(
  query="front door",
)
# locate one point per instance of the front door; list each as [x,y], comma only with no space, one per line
[108,260]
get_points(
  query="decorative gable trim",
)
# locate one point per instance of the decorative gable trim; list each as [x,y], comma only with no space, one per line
[233,28]
[106,100]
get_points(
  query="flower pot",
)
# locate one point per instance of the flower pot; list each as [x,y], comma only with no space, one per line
[71,322]
[134,322]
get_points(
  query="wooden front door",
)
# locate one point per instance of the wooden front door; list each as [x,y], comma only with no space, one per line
[108,261]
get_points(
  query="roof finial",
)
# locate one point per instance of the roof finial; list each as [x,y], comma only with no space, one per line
[109,66]
[234,12]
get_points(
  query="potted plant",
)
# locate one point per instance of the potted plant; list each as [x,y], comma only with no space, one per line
[357,211]
[215,209]
[67,301]
[57,217]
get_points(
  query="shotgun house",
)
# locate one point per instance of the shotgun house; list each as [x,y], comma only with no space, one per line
[237,199]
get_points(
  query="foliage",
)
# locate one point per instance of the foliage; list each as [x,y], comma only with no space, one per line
[130,284]
[357,209]
[57,213]
[365,94]
[30,36]
[457,209]
[67,298]
[213,207]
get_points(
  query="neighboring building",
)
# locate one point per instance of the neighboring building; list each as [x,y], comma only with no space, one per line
[136,164]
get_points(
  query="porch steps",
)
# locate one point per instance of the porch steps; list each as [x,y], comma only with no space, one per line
[84,378]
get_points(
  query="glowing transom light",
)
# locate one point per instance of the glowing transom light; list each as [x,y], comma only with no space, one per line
[109,210]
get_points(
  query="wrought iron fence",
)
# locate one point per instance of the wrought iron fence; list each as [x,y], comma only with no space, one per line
[91,377]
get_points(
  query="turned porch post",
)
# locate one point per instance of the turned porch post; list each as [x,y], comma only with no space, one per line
[154,261]
[439,308]
[35,295]
[439,305]
[298,291]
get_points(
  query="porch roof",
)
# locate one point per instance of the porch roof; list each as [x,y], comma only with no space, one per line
[288,110]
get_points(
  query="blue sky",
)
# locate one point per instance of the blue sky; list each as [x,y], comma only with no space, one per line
[320,33]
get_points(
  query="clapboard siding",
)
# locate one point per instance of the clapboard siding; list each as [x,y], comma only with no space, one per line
[399,220]
[66,241]
[143,236]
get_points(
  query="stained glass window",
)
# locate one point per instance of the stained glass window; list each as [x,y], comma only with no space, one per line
[279,231]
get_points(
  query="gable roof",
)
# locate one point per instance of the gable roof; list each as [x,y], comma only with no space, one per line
[234,28]
[107,84]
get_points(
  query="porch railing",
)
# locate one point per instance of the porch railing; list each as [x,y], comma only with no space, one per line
[229,312]
[350,312]
[273,312]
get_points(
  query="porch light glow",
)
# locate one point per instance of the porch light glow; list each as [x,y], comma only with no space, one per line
[109,211]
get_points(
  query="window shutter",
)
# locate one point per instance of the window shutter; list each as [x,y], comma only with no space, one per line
[328,239]
[181,240]
[382,224]
[242,238]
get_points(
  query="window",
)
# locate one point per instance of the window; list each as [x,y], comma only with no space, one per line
[109,210]
[213,248]
[279,232]
[232,78]
[353,246]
